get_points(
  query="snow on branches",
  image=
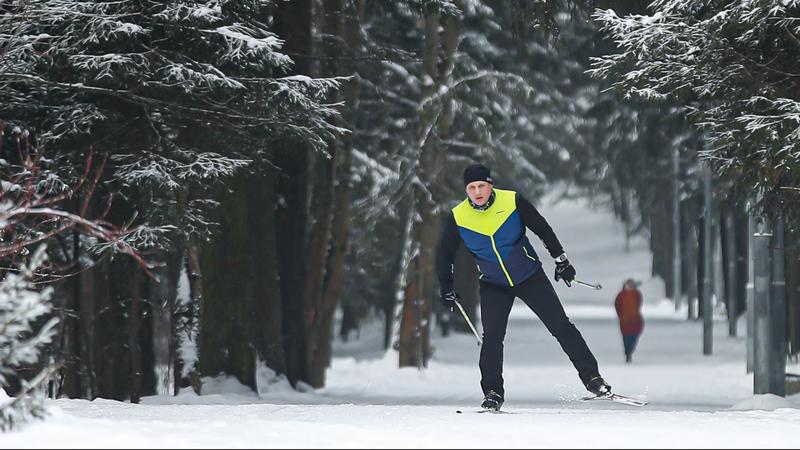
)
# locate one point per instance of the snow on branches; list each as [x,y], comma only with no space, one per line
[31,216]
[22,307]
[735,65]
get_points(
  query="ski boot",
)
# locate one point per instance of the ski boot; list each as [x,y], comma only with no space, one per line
[493,401]
[599,387]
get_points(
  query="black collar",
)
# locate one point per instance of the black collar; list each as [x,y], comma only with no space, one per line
[486,205]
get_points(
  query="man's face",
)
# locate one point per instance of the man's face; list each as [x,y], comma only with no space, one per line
[479,192]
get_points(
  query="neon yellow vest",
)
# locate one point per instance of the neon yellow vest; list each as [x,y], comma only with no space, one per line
[497,241]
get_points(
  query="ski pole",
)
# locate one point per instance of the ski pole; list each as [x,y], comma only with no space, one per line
[469,322]
[596,287]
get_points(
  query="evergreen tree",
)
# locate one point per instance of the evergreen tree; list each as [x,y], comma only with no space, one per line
[733,63]
[503,102]
[23,337]
[32,215]
[179,95]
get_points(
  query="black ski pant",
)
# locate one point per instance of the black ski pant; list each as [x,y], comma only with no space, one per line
[541,298]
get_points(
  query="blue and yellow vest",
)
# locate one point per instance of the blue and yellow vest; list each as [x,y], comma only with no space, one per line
[496,239]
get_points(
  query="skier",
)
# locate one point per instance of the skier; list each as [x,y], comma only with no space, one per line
[492,224]
[629,310]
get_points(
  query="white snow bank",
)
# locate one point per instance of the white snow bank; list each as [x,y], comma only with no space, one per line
[765,402]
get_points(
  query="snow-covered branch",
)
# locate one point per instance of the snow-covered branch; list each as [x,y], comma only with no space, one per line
[22,307]
[735,66]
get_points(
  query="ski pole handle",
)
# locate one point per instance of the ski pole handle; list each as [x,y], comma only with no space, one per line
[596,287]
[469,322]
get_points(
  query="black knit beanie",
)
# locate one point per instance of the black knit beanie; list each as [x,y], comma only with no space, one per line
[476,172]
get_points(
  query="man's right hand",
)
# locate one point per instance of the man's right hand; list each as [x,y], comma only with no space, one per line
[449,300]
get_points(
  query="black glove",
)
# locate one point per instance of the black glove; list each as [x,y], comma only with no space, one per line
[565,270]
[449,300]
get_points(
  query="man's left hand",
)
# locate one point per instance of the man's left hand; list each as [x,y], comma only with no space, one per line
[565,270]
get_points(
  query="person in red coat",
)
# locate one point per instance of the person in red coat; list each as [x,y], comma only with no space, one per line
[629,310]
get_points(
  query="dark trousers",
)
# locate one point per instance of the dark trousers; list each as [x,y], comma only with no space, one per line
[630,341]
[541,298]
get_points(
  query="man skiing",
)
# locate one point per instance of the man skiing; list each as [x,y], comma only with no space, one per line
[492,224]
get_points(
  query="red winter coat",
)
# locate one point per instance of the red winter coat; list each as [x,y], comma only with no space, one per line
[629,310]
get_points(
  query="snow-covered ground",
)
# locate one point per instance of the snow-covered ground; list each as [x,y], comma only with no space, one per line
[697,401]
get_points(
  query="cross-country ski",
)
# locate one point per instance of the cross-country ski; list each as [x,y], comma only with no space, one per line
[616,398]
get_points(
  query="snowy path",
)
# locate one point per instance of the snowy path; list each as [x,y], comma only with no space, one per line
[668,367]
[697,401]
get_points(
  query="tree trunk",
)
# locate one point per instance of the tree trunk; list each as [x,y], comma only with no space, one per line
[61,302]
[689,256]
[320,325]
[195,275]
[267,335]
[291,158]
[85,311]
[390,306]
[292,22]
[349,323]
[343,199]
[193,333]
[434,118]
[727,241]
[417,305]
[163,294]
[701,272]
[626,216]
[404,314]
[661,244]
[111,290]
[793,288]
[73,381]
[741,227]
[227,303]
[410,325]
[134,325]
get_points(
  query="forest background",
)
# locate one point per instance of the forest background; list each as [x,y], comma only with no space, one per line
[216,180]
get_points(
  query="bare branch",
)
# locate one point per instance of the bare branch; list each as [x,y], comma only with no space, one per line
[29,212]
